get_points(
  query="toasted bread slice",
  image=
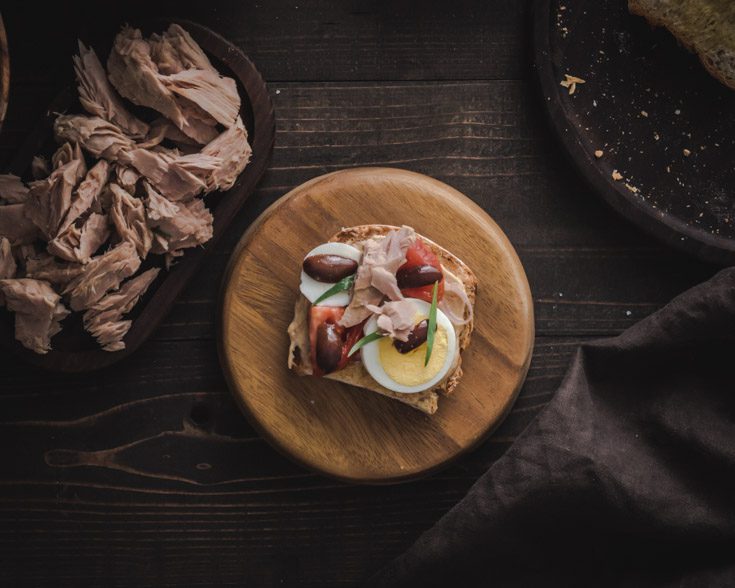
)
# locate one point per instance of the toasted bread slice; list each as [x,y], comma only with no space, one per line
[354,373]
[706,27]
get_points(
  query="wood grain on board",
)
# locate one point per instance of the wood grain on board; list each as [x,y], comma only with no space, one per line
[345,431]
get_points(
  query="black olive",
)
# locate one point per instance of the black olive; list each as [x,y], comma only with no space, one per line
[415,338]
[329,268]
[417,276]
[328,346]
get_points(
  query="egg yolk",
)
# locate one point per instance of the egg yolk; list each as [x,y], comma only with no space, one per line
[408,369]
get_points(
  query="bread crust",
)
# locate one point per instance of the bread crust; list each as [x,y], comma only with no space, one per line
[639,8]
[354,373]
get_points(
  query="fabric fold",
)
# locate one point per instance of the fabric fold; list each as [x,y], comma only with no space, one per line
[626,478]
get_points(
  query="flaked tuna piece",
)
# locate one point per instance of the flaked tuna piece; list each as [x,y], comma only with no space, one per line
[135,76]
[49,199]
[199,164]
[87,193]
[38,311]
[177,226]
[181,177]
[162,169]
[211,92]
[128,216]
[158,208]
[98,97]
[396,319]
[234,151]
[96,135]
[175,50]
[82,239]
[380,260]
[22,252]
[189,73]
[67,153]
[16,226]
[12,189]
[161,129]
[40,167]
[200,127]
[102,274]
[103,319]
[126,177]
[164,55]
[43,266]
[133,73]
[7,261]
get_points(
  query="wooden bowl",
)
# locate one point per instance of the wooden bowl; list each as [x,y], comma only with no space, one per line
[4,72]
[74,350]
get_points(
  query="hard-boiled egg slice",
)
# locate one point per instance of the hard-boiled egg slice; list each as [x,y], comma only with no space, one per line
[313,290]
[405,372]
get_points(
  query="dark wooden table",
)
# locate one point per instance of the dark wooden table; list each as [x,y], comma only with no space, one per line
[147,473]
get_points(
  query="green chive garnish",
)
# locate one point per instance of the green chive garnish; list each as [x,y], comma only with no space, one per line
[364,341]
[432,324]
[342,285]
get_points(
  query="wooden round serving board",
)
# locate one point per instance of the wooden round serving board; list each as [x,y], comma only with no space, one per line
[347,432]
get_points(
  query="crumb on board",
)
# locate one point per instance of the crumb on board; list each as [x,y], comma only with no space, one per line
[616,175]
[668,169]
[599,153]
[686,152]
[571,82]
[644,114]
[631,188]
[655,136]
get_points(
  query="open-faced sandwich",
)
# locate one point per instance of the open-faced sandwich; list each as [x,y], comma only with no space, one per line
[385,309]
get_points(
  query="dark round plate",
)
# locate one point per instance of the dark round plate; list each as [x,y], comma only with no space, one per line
[659,118]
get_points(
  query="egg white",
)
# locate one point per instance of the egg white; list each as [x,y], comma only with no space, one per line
[371,353]
[313,289]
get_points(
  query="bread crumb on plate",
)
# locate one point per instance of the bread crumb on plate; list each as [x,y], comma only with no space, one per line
[616,175]
[571,82]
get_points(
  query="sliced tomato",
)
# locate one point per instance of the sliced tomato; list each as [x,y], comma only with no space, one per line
[317,316]
[421,254]
[354,334]
[425,292]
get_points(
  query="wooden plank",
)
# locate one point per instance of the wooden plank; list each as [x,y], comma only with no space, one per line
[292,41]
[480,138]
[140,511]
[114,476]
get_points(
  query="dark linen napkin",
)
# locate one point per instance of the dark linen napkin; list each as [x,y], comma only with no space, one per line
[627,478]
